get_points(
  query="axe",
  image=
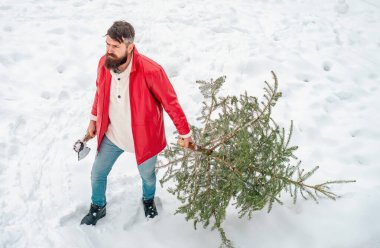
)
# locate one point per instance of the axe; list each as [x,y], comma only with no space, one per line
[81,148]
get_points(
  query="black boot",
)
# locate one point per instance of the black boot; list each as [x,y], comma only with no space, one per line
[94,215]
[150,208]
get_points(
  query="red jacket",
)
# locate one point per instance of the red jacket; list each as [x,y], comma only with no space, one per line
[149,91]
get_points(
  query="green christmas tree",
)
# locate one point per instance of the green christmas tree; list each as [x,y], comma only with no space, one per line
[241,157]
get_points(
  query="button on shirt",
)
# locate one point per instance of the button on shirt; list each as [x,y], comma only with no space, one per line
[120,129]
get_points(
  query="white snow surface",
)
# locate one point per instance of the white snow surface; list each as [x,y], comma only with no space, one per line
[325,53]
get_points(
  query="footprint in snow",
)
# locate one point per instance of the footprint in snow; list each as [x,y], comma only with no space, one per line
[341,7]
[343,95]
[138,218]
[327,66]
[45,95]
[78,4]
[58,31]
[18,126]
[63,96]
[60,69]
[304,77]
[372,76]
[74,216]
[361,160]
[5,7]
[13,151]
[8,29]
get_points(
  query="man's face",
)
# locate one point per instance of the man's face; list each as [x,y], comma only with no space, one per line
[116,53]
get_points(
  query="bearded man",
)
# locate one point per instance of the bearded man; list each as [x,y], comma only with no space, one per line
[127,115]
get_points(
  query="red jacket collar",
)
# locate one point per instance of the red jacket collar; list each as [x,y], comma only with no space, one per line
[135,59]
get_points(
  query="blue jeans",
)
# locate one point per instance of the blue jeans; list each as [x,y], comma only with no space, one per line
[105,159]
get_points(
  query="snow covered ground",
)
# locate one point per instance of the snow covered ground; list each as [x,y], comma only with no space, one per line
[326,55]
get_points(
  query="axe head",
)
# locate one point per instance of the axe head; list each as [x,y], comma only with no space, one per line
[81,148]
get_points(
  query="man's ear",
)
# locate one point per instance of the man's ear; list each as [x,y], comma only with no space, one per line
[130,47]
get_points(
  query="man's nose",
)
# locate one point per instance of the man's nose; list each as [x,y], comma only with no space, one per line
[109,50]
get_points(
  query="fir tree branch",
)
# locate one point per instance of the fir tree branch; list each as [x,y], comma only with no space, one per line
[173,162]
[267,106]
[299,183]
[208,116]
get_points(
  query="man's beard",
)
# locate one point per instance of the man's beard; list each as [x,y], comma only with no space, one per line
[112,62]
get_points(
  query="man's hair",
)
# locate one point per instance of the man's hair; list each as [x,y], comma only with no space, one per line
[122,31]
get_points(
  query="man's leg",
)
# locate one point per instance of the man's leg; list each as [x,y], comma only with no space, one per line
[148,176]
[105,159]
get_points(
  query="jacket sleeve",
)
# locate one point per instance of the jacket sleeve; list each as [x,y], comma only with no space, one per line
[163,90]
[93,115]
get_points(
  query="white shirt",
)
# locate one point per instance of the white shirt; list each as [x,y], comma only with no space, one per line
[120,128]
